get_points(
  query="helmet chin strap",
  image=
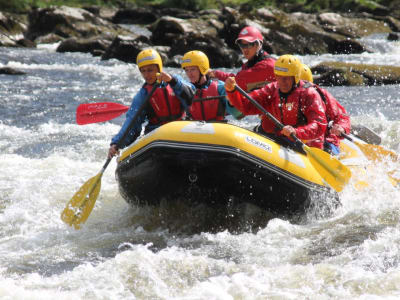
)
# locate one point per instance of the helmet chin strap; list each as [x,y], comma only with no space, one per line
[198,82]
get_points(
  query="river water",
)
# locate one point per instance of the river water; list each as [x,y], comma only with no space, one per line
[125,252]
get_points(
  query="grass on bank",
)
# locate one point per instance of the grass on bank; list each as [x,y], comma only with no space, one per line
[306,5]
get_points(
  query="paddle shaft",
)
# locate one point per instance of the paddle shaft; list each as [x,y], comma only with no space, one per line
[276,122]
[271,117]
[138,112]
[347,137]
[332,170]
[80,206]
[100,173]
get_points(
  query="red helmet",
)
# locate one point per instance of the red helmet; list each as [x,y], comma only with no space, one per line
[250,34]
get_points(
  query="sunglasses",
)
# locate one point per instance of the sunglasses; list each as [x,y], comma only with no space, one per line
[246,46]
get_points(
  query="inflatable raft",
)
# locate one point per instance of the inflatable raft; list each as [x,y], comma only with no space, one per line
[218,164]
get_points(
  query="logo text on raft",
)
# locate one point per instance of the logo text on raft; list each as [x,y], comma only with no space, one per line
[258,144]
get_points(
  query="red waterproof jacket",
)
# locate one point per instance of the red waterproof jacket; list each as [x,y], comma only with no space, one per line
[166,107]
[207,110]
[254,74]
[303,109]
[335,113]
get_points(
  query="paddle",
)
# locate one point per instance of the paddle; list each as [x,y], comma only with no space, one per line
[373,152]
[331,169]
[377,153]
[87,113]
[394,177]
[366,134]
[81,204]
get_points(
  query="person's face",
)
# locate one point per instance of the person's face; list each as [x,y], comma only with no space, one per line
[248,49]
[285,83]
[149,73]
[193,73]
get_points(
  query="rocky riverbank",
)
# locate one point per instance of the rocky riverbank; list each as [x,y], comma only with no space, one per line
[122,33]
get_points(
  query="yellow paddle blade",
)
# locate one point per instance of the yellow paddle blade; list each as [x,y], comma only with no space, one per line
[81,204]
[360,185]
[377,153]
[336,174]
[394,178]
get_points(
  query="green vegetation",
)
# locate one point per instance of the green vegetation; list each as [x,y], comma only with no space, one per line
[307,5]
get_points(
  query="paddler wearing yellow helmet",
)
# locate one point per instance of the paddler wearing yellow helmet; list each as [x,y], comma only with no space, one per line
[299,108]
[158,101]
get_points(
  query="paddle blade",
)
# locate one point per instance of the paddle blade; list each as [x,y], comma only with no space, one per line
[366,134]
[394,178]
[88,113]
[377,153]
[81,204]
[336,174]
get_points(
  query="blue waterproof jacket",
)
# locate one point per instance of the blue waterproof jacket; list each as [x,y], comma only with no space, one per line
[183,94]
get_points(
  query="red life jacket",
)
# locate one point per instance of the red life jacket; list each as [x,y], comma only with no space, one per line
[207,110]
[255,74]
[293,110]
[286,110]
[335,114]
[164,106]
[302,109]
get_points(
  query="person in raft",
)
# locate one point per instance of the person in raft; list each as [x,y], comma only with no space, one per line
[336,115]
[298,107]
[166,104]
[259,67]
[209,102]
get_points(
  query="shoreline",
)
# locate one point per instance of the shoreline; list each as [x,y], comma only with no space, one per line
[109,33]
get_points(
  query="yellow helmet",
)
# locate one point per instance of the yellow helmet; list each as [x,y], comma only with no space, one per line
[305,73]
[196,58]
[288,65]
[149,57]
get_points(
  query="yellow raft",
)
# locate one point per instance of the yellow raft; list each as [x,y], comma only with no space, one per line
[219,164]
